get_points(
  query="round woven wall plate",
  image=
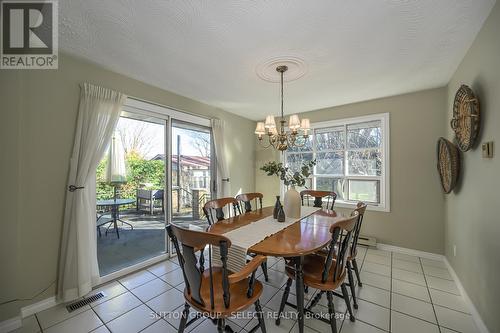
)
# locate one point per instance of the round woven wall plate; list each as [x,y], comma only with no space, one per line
[466,119]
[448,164]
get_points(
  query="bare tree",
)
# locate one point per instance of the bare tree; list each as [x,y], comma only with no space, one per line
[135,137]
[201,142]
[362,145]
[367,160]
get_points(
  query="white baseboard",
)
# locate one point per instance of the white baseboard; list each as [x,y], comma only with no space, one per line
[10,324]
[16,322]
[475,315]
[38,306]
[417,253]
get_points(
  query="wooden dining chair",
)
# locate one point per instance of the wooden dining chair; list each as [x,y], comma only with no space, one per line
[214,292]
[214,209]
[326,273]
[318,196]
[245,201]
[353,251]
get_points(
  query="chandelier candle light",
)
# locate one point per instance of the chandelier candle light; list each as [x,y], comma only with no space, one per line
[280,138]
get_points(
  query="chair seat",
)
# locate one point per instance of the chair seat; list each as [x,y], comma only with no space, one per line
[103,219]
[238,291]
[313,271]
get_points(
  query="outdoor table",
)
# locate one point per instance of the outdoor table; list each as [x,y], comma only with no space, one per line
[114,204]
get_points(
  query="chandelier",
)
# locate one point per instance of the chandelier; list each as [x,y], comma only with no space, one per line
[282,138]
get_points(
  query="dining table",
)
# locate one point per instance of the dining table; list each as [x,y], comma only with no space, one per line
[305,236]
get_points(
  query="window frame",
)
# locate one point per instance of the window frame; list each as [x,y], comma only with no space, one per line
[384,178]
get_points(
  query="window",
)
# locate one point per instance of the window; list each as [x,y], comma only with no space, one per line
[352,160]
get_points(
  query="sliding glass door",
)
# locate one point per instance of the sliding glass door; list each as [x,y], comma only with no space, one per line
[157,170]
[130,194]
[191,173]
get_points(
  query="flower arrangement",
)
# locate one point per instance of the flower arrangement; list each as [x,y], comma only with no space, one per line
[289,177]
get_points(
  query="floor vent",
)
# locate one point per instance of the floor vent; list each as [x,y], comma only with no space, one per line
[87,300]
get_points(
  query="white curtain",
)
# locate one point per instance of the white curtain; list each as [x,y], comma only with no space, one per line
[98,115]
[223,180]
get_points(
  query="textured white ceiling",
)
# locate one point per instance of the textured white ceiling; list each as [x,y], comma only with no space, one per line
[209,50]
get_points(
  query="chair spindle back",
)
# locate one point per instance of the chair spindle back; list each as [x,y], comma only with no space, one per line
[319,196]
[337,254]
[245,201]
[191,242]
[214,209]
[360,208]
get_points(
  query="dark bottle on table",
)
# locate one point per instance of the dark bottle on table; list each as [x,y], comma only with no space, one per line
[277,206]
[281,214]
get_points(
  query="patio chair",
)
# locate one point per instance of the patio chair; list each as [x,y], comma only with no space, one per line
[147,198]
[102,218]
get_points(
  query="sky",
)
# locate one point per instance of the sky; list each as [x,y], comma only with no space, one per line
[153,133]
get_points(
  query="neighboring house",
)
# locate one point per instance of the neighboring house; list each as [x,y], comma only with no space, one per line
[195,171]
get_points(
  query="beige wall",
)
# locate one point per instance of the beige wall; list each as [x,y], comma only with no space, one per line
[417,214]
[9,165]
[472,219]
[38,141]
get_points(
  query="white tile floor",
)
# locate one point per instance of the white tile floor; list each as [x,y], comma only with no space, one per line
[400,294]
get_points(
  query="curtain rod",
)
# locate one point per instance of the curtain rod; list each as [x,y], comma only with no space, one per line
[172,108]
[82,85]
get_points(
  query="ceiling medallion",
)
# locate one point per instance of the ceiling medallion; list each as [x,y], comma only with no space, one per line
[280,137]
[266,70]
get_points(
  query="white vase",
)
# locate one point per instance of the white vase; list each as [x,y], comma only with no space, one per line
[292,203]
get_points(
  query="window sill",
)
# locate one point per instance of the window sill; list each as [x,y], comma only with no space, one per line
[349,205]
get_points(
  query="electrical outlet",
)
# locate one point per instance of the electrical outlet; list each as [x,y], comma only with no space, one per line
[487,148]
[454,250]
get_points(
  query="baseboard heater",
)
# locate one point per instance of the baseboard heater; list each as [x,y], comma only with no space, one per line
[367,241]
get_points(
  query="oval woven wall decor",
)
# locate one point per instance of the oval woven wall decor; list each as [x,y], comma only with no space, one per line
[448,164]
[466,118]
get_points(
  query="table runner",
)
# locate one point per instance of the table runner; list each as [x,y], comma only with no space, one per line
[248,235]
